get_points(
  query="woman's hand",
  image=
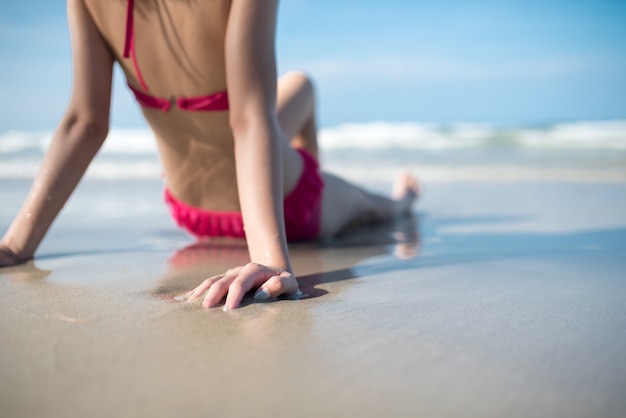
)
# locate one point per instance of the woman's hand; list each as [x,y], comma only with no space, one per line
[269,282]
[8,257]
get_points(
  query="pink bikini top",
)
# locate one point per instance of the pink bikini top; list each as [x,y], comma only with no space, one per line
[212,102]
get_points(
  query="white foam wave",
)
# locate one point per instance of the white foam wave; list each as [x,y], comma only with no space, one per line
[12,142]
[119,141]
[579,135]
[132,153]
[127,153]
[609,135]
[380,135]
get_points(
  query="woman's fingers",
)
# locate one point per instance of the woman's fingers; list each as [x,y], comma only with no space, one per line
[250,276]
[284,284]
[203,287]
[219,288]
[216,293]
[234,284]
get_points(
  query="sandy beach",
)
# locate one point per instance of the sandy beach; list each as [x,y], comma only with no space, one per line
[495,299]
[502,295]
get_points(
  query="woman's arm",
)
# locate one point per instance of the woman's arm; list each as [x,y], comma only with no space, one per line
[76,141]
[251,78]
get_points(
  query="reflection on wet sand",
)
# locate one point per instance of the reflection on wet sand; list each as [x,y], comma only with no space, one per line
[314,263]
[283,335]
[27,272]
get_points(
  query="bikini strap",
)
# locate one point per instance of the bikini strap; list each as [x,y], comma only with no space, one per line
[129,43]
[129,28]
[210,102]
[150,101]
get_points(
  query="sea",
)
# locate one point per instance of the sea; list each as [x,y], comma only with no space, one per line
[374,152]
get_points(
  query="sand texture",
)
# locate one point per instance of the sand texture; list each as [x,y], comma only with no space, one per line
[495,300]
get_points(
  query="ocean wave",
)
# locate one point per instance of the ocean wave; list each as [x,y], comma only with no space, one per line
[382,135]
[610,135]
[119,141]
[596,151]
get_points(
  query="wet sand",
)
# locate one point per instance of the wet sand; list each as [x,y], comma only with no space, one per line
[495,299]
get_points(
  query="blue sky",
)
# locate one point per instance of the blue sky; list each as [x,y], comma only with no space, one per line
[504,61]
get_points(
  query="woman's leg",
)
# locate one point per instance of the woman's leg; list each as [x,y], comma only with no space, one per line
[342,203]
[295,108]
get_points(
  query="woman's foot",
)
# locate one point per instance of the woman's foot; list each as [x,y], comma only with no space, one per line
[405,192]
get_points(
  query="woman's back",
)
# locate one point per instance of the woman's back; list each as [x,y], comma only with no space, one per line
[179,50]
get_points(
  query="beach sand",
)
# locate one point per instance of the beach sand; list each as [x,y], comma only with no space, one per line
[495,299]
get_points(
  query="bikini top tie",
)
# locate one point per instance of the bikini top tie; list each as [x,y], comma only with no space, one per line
[212,102]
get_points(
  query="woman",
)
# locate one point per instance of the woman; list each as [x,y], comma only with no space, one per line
[237,147]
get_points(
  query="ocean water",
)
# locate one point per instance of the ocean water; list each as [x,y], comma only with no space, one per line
[589,151]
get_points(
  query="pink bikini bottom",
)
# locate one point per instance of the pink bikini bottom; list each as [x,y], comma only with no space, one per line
[302,209]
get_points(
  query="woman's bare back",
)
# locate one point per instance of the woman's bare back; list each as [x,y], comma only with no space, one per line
[179,47]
